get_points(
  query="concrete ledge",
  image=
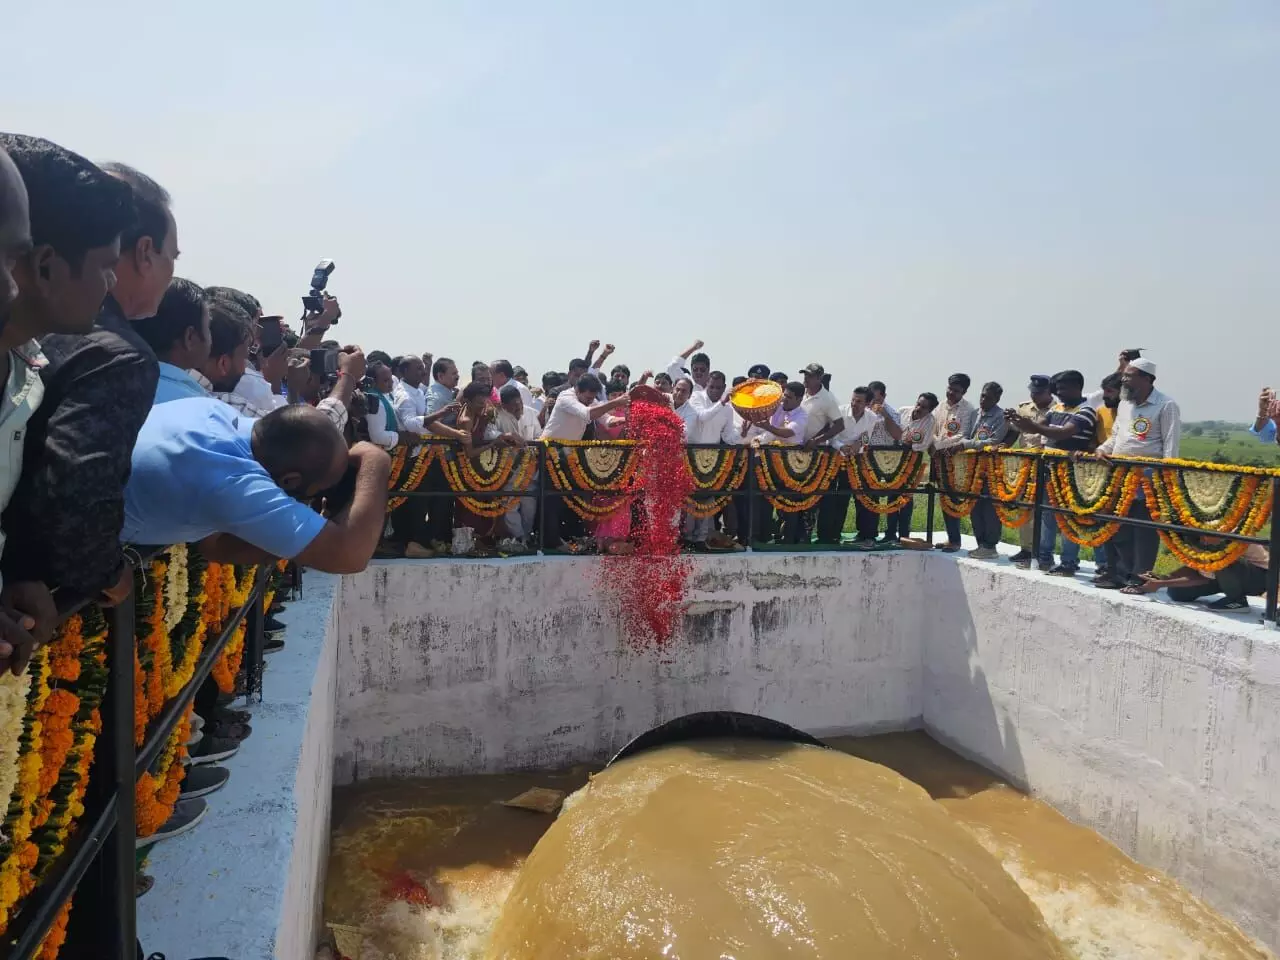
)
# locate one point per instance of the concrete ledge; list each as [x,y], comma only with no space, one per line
[247,882]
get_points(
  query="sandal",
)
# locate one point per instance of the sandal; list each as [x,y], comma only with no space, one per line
[1131,591]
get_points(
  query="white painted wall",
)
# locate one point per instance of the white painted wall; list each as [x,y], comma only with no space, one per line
[1156,726]
[1159,727]
[480,666]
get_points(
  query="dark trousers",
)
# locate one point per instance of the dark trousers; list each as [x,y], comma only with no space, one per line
[439,509]
[898,525]
[867,521]
[1134,548]
[953,528]
[409,522]
[549,523]
[741,509]
[832,510]
[1236,582]
[987,529]
[792,526]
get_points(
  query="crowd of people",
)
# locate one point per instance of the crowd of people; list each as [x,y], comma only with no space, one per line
[146,409]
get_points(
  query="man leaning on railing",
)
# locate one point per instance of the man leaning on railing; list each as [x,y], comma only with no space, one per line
[202,473]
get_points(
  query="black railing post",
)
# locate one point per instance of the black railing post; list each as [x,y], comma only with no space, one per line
[103,920]
[543,456]
[1038,512]
[1273,562]
[751,497]
[255,638]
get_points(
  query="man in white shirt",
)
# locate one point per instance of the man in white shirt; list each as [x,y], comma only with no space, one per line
[702,424]
[786,426]
[1148,424]
[503,373]
[868,521]
[574,409]
[915,429]
[858,420]
[692,364]
[954,422]
[515,419]
[823,419]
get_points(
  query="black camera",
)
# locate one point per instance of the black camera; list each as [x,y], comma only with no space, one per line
[314,302]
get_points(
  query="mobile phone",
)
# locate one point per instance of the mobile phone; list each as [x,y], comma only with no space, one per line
[324,362]
[270,335]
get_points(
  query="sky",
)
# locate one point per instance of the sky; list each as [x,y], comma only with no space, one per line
[895,190]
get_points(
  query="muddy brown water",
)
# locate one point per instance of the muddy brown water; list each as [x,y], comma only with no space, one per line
[419,869]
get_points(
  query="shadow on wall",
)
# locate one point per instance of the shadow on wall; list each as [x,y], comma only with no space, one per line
[960,710]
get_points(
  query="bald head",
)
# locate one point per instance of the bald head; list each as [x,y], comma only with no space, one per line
[15,229]
[301,449]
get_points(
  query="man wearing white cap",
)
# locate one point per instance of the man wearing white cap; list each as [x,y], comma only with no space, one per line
[1148,424]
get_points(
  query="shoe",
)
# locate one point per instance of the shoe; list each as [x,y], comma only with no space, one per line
[1061,571]
[224,715]
[160,956]
[203,780]
[947,547]
[983,553]
[1108,583]
[186,814]
[1023,556]
[142,884]
[271,645]
[196,737]
[236,732]
[1229,603]
[212,750]
[271,625]
[416,551]
[197,722]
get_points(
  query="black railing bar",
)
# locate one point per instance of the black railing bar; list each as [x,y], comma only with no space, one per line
[69,604]
[173,710]
[82,848]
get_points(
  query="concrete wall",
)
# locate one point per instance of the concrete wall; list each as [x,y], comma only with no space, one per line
[1158,727]
[479,666]
[247,881]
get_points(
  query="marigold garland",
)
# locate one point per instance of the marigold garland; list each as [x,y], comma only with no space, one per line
[429,453]
[714,471]
[492,471]
[186,639]
[57,935]
[1246,514]
[152,663]
[959,473]
[156,792]
[803,474]
[874,472]
[1116,498]
[18,855]
[227,667]
[602,467]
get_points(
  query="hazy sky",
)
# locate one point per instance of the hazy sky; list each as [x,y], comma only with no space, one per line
[897,190]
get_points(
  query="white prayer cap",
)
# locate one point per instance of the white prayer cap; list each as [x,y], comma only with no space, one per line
[1145,365]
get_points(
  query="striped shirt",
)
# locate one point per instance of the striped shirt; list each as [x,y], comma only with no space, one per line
[1085,419]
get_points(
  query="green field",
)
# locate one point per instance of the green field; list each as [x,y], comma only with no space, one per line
[1218,442]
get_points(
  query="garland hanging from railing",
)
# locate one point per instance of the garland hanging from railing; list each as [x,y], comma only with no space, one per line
[1011,478]
[494,470]
[1087,487]
[716,473]
[1213,502]
[874,473]
[959,473]
[601,467]
[401,482]
[791,478]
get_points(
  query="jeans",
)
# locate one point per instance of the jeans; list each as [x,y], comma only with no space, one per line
[697,529]
[898,525]
[1048,531]
[1102,557]
[987,529]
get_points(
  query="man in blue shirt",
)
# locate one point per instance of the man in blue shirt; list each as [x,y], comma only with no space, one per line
[179,334]
[202,472]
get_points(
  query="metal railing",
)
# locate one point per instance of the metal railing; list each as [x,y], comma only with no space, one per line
[932,489]
[98,862]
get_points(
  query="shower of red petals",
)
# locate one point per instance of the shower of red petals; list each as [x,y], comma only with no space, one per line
[650,584]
